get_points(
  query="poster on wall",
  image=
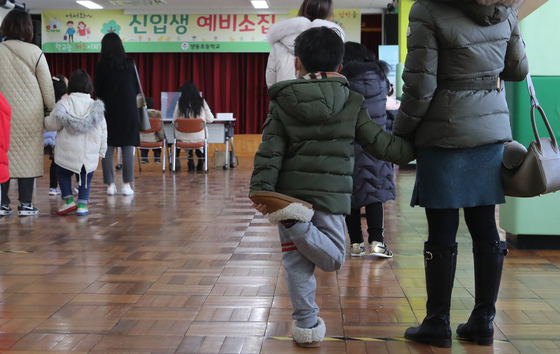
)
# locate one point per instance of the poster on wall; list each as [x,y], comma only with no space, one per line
[82,31]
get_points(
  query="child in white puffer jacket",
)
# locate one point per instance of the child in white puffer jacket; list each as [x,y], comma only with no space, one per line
[81,140]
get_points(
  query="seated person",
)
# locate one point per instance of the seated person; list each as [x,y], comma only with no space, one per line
[151,137]
[192,105]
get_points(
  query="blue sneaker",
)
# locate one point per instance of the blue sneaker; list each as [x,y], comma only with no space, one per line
[82,211]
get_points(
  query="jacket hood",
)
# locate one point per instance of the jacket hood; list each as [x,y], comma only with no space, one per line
[363,74]
[313,101]
[77,125]
[487,12]
[286,31]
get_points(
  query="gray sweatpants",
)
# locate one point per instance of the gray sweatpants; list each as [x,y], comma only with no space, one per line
[305,245]
[127,162]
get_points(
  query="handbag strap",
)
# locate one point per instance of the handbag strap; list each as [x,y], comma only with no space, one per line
[532,93]
[139,83]
[535,105]
[33,71]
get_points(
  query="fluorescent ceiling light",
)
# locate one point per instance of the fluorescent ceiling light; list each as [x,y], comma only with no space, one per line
[259,4]
[90,5]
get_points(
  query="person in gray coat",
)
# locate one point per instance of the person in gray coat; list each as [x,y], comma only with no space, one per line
[454,108]
[373,179]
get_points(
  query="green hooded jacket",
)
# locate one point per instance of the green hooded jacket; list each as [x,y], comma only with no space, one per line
[307,148]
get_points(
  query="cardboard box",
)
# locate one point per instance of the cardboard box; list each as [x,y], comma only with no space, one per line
[219,159]
[527,7]
[224,116]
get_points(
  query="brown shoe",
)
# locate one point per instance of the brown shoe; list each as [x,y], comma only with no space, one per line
[283,207]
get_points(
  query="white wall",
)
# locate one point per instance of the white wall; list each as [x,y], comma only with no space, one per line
[3,13]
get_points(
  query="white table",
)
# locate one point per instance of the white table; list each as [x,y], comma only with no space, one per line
[217,134]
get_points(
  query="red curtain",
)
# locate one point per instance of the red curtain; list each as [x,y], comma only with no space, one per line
[230,82]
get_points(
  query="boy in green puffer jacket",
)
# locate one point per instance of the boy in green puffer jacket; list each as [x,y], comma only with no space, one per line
[307,152]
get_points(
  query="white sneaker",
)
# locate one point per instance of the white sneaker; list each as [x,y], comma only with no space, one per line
[379,249]
[66,208]
[112,190]
[54,191]
[357,250]
[126,190]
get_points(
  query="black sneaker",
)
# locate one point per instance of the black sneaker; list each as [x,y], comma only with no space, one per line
[157,161]
[25,209]
[145,162]
[5,210]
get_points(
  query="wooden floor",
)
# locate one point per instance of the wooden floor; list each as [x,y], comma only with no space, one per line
[186,266]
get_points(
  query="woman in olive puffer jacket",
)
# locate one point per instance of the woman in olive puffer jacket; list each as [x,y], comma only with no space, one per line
[454,108]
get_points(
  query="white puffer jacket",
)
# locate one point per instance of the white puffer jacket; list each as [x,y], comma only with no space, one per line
[82,132]
[281,37]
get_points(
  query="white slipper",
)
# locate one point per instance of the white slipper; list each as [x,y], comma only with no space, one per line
[309,337]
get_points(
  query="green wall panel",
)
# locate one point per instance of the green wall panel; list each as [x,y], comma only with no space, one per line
[540,31]
[548,94]
[539,215]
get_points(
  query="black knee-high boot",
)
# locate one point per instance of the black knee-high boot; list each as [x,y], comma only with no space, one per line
[488,264]
[440,265]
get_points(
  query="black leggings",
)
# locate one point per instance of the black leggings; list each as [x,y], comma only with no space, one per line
[444,223]
[374,218]
[25,190]
[199,155]
[52,173]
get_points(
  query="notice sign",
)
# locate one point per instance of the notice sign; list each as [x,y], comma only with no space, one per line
[82,31]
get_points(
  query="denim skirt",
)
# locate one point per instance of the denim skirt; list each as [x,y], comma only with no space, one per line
[459,178]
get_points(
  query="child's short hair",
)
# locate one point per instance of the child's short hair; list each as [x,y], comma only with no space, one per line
[319,49]
[80,82]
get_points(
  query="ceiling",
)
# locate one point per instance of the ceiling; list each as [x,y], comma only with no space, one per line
[201,6]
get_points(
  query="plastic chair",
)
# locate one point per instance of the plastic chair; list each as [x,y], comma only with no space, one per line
[190,125]
[155,125]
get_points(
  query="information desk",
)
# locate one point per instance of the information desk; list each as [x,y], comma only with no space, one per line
[219,132]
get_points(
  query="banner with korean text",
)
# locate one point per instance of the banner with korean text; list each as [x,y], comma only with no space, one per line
[82,31]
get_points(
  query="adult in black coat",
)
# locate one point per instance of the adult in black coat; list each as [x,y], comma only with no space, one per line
[373,179]
[117,86]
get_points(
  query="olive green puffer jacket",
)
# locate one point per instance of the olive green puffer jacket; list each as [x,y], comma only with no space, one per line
[457,49]
[307,148]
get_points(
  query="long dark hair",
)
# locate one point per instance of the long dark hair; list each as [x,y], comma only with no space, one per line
[60,88]
[356,52]
[112,52]
[190,103]
[316,9]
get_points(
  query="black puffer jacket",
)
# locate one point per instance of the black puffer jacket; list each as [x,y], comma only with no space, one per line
[373,179]
[457,49]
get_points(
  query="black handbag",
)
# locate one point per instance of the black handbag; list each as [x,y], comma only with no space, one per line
[143,117]
[536,172]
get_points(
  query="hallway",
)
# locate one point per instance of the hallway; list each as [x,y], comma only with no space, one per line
[186,266]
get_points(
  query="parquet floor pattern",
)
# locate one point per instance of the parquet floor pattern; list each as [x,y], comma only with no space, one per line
[186,266]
